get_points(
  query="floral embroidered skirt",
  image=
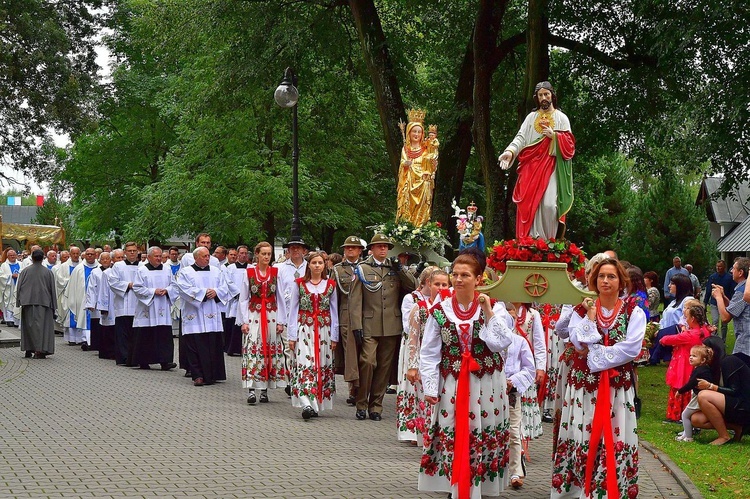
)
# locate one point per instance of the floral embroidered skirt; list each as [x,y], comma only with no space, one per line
[489,427]
[313,385]
[531,415]
[263,364]
[556,348]
[411,410]
[572,445]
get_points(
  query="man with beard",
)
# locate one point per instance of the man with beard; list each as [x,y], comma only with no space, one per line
[36,297]
[8,277]
[77,322]
[105,302]
[544,147]
[202,292]
[154,289]
[121,280]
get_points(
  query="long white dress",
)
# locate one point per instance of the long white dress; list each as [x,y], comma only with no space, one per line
[263,363]
[316,309]
[529,325]
[409,397]
[451,348]
[555,346]
[611,350]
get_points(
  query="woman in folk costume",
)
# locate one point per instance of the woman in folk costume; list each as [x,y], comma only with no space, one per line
[529,326]
[262,346]
[416,174]
[466,445]
[313,338]
[597,446]
[411,410]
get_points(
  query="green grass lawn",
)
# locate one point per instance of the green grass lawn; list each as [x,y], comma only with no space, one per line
[717,471]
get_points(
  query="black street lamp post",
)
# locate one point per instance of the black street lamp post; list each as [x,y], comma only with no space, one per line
[286,95]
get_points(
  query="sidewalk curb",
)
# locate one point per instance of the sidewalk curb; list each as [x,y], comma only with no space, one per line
[680,476]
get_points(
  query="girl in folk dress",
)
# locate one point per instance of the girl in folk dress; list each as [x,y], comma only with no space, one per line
[678,372]
[597,446]
[466,444]
[313,338]
[262,346]
[412,412]
[529,326]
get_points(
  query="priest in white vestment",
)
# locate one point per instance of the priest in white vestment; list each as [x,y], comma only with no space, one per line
[69,261]
[121,280]
[236,276]
[203,291]
[78,320]
[9,271]
[105,303]
[92,296]
[155,290]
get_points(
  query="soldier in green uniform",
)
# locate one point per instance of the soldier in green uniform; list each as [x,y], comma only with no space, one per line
[383,283]
[350,314]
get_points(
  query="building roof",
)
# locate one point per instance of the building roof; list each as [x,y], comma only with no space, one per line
[738,239]
[732,209]
[18,214]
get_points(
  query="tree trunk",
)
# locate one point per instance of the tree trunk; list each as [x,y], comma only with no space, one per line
[486,33]
[380,66]
[455,153]
[537,53]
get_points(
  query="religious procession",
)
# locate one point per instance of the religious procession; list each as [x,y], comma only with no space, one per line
[480,351]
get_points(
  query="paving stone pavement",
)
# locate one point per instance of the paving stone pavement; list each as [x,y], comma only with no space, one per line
[73,425]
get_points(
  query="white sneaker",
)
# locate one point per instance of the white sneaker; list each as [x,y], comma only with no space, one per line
[683,438]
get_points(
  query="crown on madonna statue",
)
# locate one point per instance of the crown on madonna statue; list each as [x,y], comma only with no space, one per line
[416,115]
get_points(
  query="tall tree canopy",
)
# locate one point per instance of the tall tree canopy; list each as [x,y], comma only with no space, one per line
[48,75]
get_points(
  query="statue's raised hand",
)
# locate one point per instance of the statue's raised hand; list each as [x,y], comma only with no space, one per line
[504,160]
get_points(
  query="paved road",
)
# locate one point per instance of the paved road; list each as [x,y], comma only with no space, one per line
[73,425]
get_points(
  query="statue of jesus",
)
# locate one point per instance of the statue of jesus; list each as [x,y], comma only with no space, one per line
[544,147]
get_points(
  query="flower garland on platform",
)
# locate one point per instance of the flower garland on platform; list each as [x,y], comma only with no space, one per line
[430,236]
[528,249]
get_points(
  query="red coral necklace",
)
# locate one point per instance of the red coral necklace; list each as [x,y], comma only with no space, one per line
[460,314]
[606,322]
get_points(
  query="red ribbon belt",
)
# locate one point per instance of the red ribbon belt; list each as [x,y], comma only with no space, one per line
[264,332]
[461,462]
[602,428]
[316,315]
[546,323]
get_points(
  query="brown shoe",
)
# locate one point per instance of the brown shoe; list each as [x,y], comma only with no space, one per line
[516,482]
[198,382]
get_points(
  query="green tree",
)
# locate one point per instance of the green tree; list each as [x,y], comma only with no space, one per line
[47,63]
[665,222]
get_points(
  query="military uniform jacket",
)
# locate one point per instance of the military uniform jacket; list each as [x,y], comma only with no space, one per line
[350,296]
[381,304]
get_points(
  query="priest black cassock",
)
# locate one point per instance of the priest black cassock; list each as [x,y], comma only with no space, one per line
[92,297]
[153,319]
[36,297]
[121,280]
[78,320]
[105,302]
[203,291]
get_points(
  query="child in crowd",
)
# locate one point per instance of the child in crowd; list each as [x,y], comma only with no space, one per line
[679,368]
[700,359]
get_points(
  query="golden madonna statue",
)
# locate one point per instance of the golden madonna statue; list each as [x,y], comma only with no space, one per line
[416,174]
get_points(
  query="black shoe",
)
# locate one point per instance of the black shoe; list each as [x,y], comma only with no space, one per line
[167,366]
[390,391]
[307,413]
[361,415]
[251,398]
[547,418]
[288,391]
[145,367]
[72,343]
[188,374]
[375,416]
[85,346]
[28,354]
[264,397]
[315,413]
[352,400]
